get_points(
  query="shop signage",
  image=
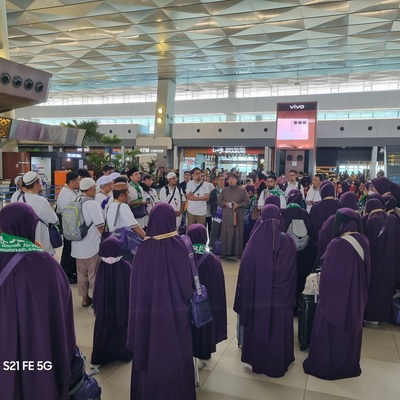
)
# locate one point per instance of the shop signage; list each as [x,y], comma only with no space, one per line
[151,150]
[72,155]
[229,150]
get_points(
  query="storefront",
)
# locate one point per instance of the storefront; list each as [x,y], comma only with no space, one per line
[244,159]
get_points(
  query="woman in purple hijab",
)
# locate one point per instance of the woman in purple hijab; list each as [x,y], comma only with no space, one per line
[270,199]
[390,206]
[382,232]
[211,276]
[159,327]
[382,185]
[36,314]
[320,212]
[342,187]
[265,296]
[348,200]
[111,305]
[335,346]
[293,211]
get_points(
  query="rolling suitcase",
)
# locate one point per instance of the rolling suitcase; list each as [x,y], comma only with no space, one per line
[307,307]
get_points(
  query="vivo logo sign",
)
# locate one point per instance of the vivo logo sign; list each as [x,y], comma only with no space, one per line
[297,107]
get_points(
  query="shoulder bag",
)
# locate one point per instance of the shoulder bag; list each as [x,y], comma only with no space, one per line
[200,306]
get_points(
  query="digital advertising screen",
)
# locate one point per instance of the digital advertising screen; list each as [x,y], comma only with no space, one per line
[296,125]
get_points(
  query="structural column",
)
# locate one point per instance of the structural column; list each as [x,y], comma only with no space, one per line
[374,160]
[165,108]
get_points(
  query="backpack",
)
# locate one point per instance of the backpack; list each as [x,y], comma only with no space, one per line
[82,386]
[298,231]
[73,222]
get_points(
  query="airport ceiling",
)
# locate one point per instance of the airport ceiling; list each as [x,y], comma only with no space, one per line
[125,46]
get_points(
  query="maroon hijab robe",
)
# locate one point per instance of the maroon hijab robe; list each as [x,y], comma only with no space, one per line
[36,317]
[111,305]
[382,232]
[335,346]
[211,276]
[265,296]
[159,327]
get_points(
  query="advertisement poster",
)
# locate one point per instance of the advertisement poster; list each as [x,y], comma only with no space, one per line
[296,125]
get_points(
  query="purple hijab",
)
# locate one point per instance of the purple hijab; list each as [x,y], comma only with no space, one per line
[381,230]
[159,327]
[347,200]
[39,330]
[111,305]
[270,199]
[211,276]
[382,185]
[265,296]
[294,196]
[335,346]
[390,206]
[321,211]
[345,188]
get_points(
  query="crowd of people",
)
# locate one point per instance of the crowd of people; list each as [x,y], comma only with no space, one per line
[279,228]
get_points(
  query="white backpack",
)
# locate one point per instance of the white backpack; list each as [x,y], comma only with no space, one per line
[298,231]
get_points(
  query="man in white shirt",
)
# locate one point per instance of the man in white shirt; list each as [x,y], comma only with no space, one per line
[203,176]
[42,208]
[197,195]
[86,251]
[292,183]
[271,188]
[313,195]
[105,186]
[67,194]
[119,215]
[18,192]
[173,195]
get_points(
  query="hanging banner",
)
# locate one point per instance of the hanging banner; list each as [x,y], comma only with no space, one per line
[296,125]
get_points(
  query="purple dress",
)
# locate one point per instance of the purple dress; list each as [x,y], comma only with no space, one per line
[111,305]
[265,297]
[320,212]
[335,346]
[382,232]
[211,276]
[159,327]
[36,303]
[348,200]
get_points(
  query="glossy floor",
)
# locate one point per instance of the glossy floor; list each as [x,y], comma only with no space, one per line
[225,377]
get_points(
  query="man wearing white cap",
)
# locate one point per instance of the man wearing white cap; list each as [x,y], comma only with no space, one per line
[86,251]
[18,192]
[42,208]
[105,184]
[115,175]
[173,195]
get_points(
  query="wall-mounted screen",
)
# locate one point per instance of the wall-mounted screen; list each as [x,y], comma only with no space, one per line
[296,125]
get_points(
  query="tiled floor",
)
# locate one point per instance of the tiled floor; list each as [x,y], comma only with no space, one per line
[226,378]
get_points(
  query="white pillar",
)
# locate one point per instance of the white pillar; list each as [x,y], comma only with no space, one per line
[374,160]
[165,108]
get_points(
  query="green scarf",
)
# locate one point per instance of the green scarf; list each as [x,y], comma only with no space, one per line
[16,244]
[275,191]
[137,187]
[293,205]
[199,248]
